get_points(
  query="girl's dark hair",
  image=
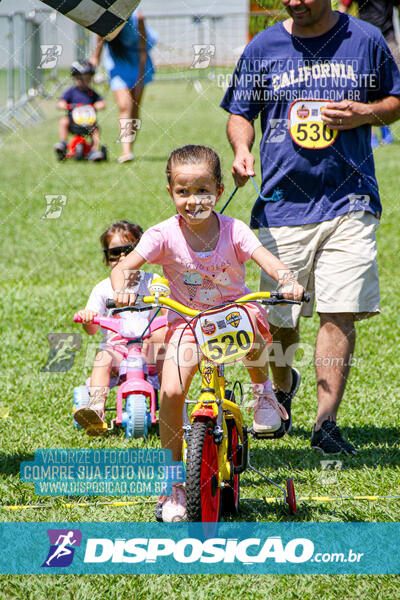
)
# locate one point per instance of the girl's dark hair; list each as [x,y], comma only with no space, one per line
[125,229]
[194,155]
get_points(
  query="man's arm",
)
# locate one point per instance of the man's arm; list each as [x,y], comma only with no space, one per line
[240,133]
[348,114]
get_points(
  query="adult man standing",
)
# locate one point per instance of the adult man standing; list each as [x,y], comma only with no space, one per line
[318,84]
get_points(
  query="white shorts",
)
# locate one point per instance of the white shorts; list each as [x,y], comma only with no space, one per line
[334,260]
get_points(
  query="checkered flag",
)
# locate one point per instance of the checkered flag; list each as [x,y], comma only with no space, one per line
[104,17]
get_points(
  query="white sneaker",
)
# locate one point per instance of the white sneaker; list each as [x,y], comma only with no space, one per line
[124,158]
[174,508]
[268,413]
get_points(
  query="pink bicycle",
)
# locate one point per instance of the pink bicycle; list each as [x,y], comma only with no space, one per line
[136,396]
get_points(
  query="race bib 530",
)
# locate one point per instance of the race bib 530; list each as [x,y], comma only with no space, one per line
[306,126]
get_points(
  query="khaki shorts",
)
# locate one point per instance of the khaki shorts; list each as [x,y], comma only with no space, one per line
[334,260]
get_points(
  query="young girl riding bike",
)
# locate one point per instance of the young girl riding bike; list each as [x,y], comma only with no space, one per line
[117,241]
[203,255]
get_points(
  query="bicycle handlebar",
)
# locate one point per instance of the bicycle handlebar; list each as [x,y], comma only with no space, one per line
[142,302]
[113,324]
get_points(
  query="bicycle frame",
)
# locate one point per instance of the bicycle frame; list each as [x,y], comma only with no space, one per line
[212,405]
[214,415]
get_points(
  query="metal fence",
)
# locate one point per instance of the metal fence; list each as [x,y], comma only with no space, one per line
[193,46]
[29,65]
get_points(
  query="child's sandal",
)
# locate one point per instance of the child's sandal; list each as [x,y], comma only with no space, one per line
[92,420]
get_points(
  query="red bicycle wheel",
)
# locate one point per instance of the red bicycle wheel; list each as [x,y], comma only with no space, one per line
[231,491]
[291,496]
[203,496]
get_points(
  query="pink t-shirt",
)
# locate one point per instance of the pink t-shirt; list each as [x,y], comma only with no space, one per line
[201,282]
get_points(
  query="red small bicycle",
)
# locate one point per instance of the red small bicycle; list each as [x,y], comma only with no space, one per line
[82,122]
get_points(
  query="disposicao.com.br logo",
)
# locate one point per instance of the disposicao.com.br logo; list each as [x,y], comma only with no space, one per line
[211,548]
[211,551]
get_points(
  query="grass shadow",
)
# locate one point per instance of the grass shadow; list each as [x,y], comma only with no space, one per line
[361,435]
[10,463]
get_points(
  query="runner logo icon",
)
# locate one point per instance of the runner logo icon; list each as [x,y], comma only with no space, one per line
[62,542]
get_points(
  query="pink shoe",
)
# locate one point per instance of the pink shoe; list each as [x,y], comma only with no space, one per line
[268,413]
[174,507]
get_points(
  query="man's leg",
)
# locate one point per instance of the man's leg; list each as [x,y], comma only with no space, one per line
[334,348]
[347,290]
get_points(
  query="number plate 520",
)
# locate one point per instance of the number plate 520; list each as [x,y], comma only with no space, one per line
[225,335]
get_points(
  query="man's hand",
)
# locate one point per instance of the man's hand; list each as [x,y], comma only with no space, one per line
[241,137]
[243,167]
[346,114]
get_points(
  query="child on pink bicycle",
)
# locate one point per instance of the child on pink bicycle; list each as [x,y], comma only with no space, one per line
[117,241]
[203,255]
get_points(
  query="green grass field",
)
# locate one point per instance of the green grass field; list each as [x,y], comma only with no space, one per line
[49,268]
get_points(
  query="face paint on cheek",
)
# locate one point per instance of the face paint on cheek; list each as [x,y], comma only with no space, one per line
[204,205]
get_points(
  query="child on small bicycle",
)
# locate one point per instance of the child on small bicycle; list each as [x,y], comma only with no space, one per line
[203,255]
[117,242]
[80,94]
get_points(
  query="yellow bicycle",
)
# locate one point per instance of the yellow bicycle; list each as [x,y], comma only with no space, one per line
[215,440]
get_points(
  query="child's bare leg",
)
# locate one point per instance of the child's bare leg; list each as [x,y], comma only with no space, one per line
[105,361]
[91,417]
[96,139]
[267,412]
[257,361]
[63,125]
[172,399]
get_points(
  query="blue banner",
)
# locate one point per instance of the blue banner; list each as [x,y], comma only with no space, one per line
[237,548]
[59,472]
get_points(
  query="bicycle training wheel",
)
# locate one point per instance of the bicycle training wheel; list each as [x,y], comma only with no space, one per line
[203,495]
[291,496]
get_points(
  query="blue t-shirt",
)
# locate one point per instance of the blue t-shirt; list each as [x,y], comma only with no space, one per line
[75,95]
[351,61]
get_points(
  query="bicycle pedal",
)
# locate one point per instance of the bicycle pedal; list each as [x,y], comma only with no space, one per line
[270,435]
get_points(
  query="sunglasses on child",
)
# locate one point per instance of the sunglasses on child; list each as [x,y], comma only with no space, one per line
[113,254]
